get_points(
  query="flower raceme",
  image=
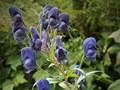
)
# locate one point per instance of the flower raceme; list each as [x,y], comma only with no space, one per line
[18,27]
[43,84]
[28,59]
[35,41]
[89,46]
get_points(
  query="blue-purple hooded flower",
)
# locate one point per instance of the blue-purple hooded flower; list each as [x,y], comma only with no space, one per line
[43,23]
[18,27]
[63,22]
[53,17]
[89,46]
[43,84]
[47,8]
[64,17]
[45,42]
[77,72]
[13,11]
[58,42]
[61,55]
[35,41]
[28,59]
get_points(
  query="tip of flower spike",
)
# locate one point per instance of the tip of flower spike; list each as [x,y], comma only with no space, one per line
[47,8]
[13,11]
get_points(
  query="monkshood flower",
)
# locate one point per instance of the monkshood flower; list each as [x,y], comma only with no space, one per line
[77,72]
[53,17]
[63,22]
[61,55]
[18,27]
[35,41]
[64,17]
[89,46]
[47,8]
[43,23]
[43,84]
[14,11]
[28,59]
[58,42]
[45,43]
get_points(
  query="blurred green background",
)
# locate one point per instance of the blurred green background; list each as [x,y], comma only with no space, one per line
[98,18]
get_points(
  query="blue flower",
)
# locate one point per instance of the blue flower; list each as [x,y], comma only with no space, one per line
[47,8]
[35,41]
[89,46]
[63,22]
[28,59]
[77,72]
[61,55]
[13,11]
[18,28]
[43,84]
[63,27]
[58,42]
[64,17]
[53,17]
[45,42]
[43,23]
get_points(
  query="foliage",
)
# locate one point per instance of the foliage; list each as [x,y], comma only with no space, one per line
[98,18]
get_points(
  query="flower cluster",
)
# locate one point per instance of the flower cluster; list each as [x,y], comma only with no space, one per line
[18,27]
[51,20]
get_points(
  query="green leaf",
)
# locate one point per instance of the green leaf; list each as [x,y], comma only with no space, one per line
[13,61]
[8,85]
[114,49]
[19,79]
[115,85]
[107,59]
[40,74]
[63,85]
[116,36]
[52,80]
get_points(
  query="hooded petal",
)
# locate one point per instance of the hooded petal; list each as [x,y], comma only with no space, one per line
[89,46]
[28,59]
[14,11]
[43,84]
[61,55]
[64,17]
[58,42]
[34,33]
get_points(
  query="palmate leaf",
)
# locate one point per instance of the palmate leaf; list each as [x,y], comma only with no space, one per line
[116,36]
[115,85]
[13,61]
[8,85]
[40,75]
